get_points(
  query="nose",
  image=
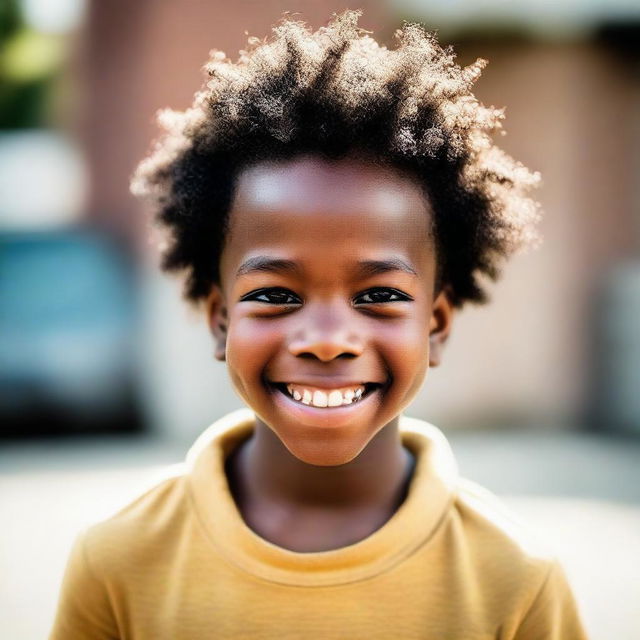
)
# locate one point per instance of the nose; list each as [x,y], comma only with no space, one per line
[327,331]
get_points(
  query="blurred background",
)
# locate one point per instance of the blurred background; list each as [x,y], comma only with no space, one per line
[106,375]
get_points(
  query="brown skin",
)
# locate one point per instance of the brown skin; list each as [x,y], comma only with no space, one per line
[313,479]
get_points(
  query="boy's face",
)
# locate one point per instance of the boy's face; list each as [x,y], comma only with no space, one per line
[327,287]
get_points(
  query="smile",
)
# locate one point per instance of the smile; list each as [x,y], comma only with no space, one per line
[325,398]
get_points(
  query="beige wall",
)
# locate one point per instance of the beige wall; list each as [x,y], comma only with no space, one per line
[570,115]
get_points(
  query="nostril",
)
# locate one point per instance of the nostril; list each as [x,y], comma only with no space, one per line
[307,355]
[312,356]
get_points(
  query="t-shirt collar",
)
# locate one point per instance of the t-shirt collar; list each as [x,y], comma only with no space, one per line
[413,525]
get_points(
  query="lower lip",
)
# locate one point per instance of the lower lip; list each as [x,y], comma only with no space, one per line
[325,416]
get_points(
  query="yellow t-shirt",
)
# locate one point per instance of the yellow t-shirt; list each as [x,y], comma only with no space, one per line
[180,563]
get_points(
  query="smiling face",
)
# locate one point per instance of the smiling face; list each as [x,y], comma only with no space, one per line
[326,314]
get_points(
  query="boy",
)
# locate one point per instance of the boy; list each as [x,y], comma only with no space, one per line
[332,203]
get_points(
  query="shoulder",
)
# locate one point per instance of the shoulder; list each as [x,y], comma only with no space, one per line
[499,537]
[116,552]
[512,566]
[487,541]
[472,514]
[503,552]
[138,530]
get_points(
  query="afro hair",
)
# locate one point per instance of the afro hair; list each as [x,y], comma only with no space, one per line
[333,92]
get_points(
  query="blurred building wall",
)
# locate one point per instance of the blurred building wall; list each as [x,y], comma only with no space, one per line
[570,115]
[143,56]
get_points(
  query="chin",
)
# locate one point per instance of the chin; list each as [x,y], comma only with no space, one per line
[324,452]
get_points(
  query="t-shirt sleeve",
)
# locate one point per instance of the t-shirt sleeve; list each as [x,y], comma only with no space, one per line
[83,611]
[553,614]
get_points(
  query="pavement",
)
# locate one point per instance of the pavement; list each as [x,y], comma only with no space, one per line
[581,491]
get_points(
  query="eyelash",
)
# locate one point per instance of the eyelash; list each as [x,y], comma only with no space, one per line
[254,295]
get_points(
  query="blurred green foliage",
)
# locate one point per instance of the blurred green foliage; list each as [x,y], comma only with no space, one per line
[29,64]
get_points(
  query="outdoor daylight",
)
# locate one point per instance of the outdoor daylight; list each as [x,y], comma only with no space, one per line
[167,259]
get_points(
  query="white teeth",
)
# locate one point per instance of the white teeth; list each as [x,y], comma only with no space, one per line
[320,399]
[335,399]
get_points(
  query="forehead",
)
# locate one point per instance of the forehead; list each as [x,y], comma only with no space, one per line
[310,209]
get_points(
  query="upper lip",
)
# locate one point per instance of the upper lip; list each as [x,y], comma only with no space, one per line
[324,382]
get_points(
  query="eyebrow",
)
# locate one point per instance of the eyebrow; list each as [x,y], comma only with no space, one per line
[374,267]
[265,263]
[364,268]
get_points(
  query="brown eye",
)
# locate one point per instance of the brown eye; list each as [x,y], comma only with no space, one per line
[382,295]
[272,296]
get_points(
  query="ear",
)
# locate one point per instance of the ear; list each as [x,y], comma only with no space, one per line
[217,317]
[439,326]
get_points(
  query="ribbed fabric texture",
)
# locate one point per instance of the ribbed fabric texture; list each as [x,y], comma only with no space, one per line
[180,563]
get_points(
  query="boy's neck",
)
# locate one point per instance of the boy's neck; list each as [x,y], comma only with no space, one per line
[272,487]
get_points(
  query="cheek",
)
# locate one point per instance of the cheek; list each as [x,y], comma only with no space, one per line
[407,351]
[249,344]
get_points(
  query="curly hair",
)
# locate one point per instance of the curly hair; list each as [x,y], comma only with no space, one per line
[333,92]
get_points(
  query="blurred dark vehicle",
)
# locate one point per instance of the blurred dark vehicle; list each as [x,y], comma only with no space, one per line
[66,335]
